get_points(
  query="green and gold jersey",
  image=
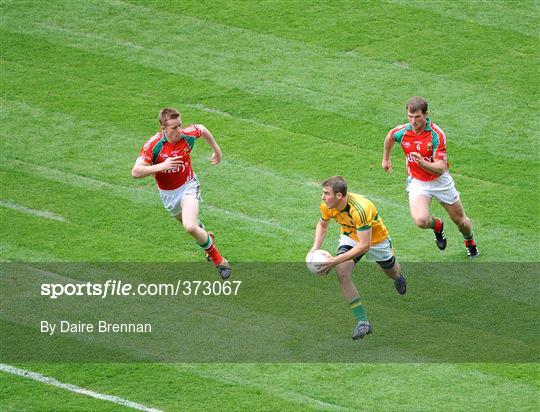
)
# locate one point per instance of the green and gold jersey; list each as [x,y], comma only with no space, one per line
[358,214]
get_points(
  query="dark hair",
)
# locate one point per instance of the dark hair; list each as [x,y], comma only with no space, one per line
[167,114]
[337,183]
[417,103]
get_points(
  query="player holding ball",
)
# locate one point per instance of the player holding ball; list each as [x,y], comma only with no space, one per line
[362,233]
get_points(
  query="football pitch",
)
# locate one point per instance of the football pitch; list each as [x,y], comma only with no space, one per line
[294,92]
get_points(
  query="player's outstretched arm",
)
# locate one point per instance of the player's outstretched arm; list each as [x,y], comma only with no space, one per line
[209,138]
[387,151]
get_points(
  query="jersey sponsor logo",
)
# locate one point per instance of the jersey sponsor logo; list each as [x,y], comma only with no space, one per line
[406,144]
[179,169]
[411,159]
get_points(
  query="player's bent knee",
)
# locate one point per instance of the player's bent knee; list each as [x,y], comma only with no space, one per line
[421,221]
[190,227]
[462,223]
[458,219]
[344,270]
[344,274]
[387,264]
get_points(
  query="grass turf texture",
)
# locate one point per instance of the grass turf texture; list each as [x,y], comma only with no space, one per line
[294,92]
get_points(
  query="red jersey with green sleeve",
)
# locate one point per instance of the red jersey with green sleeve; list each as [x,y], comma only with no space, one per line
[430,143]
[157,149]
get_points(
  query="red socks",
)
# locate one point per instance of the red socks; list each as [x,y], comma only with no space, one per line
[438,225]
[214,255]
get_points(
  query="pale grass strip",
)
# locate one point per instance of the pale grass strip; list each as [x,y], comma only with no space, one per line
[279,392]
[136,195]
[35,212]
[73,388]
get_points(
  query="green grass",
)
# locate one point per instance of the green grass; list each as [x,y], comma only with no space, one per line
[303,386]
[294,92]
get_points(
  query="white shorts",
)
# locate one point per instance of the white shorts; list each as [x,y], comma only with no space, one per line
[443,189]
[172,199]
[379,252]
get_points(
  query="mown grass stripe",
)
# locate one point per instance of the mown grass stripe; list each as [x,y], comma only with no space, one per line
[518,17]
[73,388]
[277,391]
[147,196]
[142,196]
[39,213]
[334,97]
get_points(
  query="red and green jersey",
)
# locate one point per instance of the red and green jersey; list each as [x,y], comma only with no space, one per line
[157,149]
[430,143]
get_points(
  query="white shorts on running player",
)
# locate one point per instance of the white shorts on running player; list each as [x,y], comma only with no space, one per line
[443,188]
[172,199]
[379,252]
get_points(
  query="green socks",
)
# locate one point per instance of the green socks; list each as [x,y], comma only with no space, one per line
[358,309]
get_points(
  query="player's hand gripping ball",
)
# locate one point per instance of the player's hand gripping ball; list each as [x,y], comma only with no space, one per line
[315,258]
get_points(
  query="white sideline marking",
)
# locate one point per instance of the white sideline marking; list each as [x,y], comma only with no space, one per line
[68,386]
[40,213]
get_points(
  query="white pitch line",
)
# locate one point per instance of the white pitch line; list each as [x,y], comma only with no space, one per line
[51,381]
[35,212]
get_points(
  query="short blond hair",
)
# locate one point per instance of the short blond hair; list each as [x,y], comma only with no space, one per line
[167,114]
